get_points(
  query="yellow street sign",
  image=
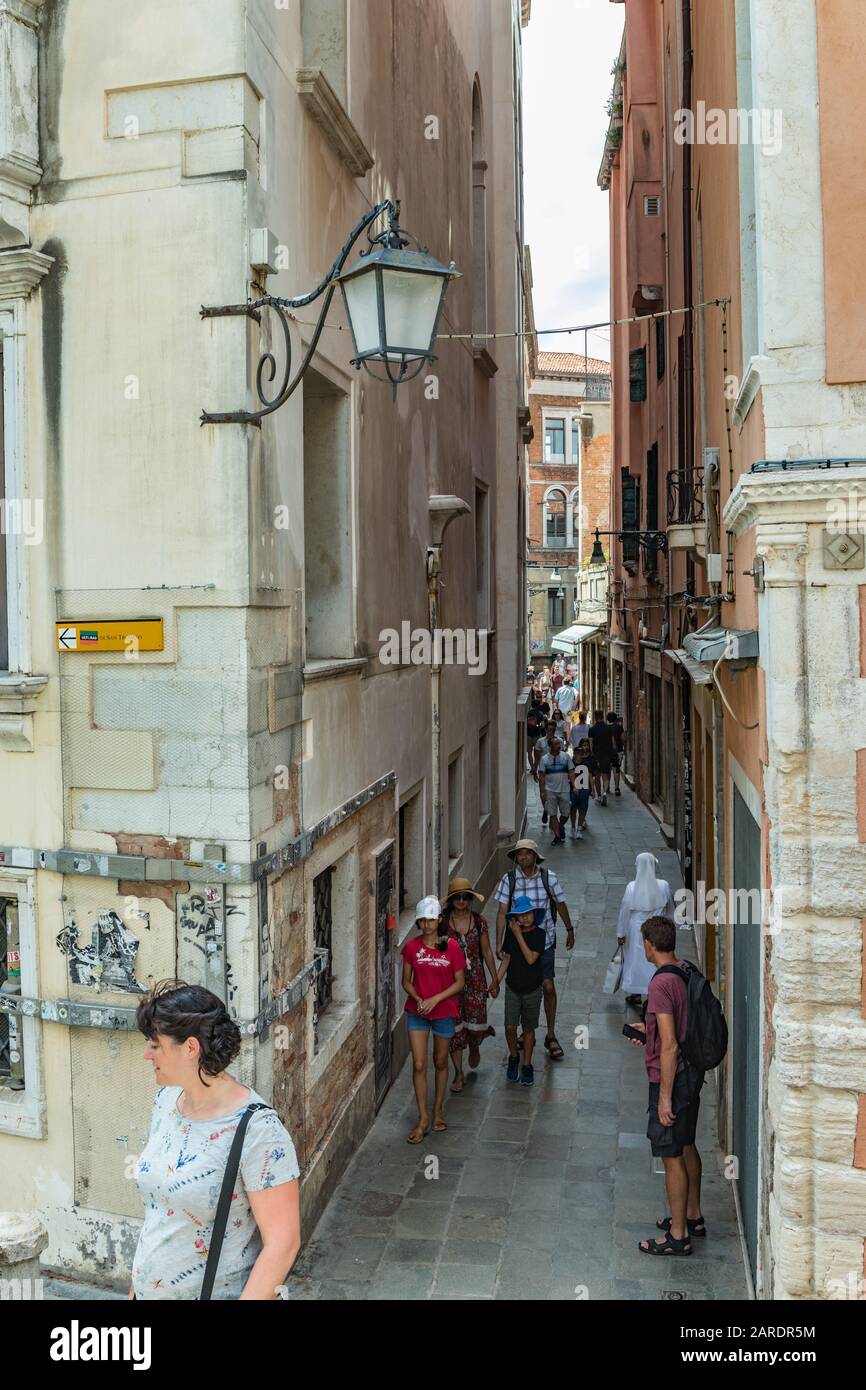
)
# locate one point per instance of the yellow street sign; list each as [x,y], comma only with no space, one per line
[114,635]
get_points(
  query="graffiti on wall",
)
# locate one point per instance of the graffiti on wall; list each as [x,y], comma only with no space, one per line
[199,922]
[108,962]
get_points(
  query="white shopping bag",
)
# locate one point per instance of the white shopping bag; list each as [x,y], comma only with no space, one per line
[613,978]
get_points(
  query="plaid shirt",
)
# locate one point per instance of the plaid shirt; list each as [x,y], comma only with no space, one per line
[534,889]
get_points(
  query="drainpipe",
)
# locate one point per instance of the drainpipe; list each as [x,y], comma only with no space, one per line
[442,510]
[688,277]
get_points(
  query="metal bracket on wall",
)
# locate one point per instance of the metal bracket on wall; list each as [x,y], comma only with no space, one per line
[75,1014]
[136,868]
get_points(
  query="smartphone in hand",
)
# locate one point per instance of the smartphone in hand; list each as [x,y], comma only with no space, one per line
[636,1033]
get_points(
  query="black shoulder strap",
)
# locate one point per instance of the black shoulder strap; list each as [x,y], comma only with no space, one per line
[545,879]
[674,970]
[233,1163]
[512,884]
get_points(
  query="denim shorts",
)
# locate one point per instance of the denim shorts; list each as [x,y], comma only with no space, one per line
[548,962]
[439,1027]
[580,799]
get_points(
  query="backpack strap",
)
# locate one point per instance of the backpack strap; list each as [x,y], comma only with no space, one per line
[233,1163]
[545,879]
[512,884]
[675,970]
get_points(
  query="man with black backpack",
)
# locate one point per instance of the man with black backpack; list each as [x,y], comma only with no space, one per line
[528,879]
[686,1035]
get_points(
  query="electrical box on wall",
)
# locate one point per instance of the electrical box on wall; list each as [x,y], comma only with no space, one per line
[714,568]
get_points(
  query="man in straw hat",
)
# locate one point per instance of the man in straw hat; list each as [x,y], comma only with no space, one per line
[542,887]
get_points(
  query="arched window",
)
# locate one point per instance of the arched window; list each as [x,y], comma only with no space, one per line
[479,216]
[555,519]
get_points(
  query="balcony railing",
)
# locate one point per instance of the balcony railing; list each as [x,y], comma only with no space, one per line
[685,497]
[597,391]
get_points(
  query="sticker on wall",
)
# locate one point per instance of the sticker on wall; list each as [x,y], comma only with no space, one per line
[108,962]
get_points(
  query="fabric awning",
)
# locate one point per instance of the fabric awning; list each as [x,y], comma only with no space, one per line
[569,640]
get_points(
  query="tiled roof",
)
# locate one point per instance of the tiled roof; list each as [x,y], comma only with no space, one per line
[570,364]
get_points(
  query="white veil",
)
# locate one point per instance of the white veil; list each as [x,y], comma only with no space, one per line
[649,894]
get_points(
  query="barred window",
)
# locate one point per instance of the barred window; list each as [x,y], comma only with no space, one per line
[323,936]
[11,1040]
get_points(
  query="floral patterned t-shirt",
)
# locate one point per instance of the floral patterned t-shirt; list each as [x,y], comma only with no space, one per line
[179,1177]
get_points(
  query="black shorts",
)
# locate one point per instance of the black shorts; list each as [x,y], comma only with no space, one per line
[602,766]
[668,1141]
[615,761]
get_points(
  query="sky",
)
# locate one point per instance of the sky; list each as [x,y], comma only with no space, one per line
[569,49]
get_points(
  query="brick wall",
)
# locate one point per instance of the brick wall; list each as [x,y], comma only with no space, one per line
[311,1114]
[594,476]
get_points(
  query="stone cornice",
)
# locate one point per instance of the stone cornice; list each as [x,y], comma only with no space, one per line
[328,112]
[26,11]
[21,271]
[791,497]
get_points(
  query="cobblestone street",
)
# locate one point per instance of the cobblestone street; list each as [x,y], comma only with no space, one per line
[545,1189]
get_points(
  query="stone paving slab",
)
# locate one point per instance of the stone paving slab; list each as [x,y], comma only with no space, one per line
[547,1187]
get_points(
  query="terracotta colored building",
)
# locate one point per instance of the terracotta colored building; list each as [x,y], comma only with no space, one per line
[739,639]
[569,485]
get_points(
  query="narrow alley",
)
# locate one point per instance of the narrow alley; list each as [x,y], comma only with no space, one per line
[548,1188]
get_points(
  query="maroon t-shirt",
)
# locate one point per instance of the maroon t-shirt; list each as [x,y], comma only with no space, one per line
[667,995]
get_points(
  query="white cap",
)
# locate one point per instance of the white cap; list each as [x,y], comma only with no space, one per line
[427,907]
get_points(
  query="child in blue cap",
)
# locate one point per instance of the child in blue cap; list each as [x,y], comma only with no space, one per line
[522,949]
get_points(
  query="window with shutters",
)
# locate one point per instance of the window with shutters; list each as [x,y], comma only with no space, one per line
[630,516]
[637,375]
[652,508]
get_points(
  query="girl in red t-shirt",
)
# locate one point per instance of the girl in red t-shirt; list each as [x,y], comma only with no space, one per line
[433,969]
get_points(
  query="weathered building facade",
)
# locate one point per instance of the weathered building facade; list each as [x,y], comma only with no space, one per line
[738,430]
[569,484]
[261,788]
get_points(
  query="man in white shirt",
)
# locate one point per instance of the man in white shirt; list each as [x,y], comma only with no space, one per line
[566,697]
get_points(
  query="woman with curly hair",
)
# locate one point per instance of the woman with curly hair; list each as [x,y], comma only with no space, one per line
[469,929]
[198,1110]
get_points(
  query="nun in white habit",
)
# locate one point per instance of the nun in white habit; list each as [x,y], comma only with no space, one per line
[646,896]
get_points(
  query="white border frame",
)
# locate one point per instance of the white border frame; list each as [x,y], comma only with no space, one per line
[25,1116]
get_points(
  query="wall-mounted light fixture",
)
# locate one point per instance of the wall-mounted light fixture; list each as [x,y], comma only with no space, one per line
[393,297]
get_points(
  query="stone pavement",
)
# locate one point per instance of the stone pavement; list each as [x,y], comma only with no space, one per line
[547,1188]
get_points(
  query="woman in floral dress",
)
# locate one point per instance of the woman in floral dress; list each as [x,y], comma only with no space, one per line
[469,929]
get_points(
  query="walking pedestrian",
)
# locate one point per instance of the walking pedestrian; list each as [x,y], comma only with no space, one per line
[674,1094]
[541,749]
[581,787]
[646,896]
[537,718]
[566,698]
[469,929]
[433,975]
[554,782]
[545,682]
[579,728]
[528,879]
[198,1110]
[522,952]
[601,740]
[618,748]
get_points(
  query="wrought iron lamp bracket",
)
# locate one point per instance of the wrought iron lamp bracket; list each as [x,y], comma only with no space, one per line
[393,236]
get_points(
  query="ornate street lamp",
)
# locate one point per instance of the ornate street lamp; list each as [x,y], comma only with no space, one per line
[393,298]
[650,540]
